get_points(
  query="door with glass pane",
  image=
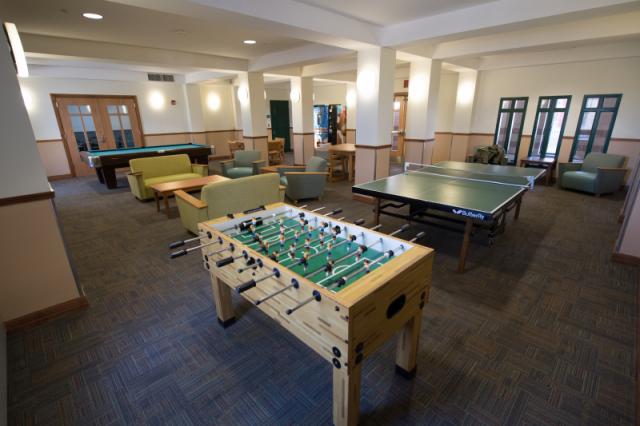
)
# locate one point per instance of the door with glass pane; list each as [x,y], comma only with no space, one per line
[509,126]
[595,125]
[397,134]
[548,127]
[122,129]
[94,123]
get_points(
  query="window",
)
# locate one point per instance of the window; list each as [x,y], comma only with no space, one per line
[509,126]
[595,125]
[548,127]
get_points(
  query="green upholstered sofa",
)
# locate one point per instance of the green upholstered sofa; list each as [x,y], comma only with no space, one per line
[304,182]
[230,196]
[166,168]
[244,163]
[598,174]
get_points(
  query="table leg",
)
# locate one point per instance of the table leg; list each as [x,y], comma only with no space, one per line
[222,300]
[346,395]
[99,173]
[352,168]
[468,227]
[407,349]
[157,197]
[165,195]
[109,175]
[516,215]
[376,211]
[549,172]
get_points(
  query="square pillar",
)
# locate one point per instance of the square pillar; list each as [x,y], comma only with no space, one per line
[461,129]
[302,115]
[352,110]
[250,94]
[376,67]
[422,103]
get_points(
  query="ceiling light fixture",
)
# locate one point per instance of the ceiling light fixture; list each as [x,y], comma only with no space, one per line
[249,42]
[94,16]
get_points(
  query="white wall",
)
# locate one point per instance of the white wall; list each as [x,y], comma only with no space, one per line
[575,79]
[167,119]
[330,94]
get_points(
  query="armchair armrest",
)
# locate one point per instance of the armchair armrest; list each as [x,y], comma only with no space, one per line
[224,165]
[190,199]
[282,170]
[257,165]
[306,173]
[201,169]
[567,167]
[609,179]
[134,174]
[613,169]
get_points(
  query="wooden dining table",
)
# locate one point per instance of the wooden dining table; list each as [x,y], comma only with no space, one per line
[347,150]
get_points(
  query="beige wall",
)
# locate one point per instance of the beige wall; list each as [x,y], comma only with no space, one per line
[54,157]
[35,269]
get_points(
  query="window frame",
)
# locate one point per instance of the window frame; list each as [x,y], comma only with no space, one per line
[545,137]
[511,111]
[596,120]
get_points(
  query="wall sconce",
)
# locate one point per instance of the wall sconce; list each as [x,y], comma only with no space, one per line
[396,105]
[213,101]
[156,100]
[466,90]
[295,95]
[243,94]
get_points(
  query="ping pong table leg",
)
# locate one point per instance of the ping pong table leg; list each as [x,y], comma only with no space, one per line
[468,227]
[376,212]
[518,204]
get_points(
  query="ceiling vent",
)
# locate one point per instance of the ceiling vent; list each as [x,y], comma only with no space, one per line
[160,77]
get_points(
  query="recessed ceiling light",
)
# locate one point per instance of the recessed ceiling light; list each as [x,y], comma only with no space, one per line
[249,42]
[90,15]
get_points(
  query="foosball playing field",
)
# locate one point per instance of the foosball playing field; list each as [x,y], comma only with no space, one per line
[339,287]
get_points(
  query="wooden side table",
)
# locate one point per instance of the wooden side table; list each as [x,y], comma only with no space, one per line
[547,163]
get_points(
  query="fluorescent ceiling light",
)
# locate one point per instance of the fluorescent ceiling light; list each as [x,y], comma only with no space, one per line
[90,15]
[249,42]
[16,49]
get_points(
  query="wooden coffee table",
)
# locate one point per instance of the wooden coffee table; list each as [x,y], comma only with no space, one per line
[166,189]
[549,164]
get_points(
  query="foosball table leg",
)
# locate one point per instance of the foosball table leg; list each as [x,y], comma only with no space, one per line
[407,350]
[346,395]
[222,300]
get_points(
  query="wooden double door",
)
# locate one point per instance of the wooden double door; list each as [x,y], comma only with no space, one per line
[95,123]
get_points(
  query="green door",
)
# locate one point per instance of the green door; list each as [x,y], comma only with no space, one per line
[280,122]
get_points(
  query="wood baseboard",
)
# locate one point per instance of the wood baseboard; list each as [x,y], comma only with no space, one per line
[46,314]
[625,259]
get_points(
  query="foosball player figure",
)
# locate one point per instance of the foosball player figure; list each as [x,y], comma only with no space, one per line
[361,250]
[328,268]
[274,256]
[292,250]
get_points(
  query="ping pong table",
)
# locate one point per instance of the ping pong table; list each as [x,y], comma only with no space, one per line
[454,195]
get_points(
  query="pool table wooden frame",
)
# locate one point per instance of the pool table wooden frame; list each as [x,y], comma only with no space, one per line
[106,169]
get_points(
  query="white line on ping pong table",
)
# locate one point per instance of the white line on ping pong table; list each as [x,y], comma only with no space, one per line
[528,178]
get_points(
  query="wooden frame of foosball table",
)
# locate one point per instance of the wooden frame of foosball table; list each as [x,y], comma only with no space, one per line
[343,327]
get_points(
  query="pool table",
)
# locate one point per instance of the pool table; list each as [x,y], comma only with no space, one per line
[107,161]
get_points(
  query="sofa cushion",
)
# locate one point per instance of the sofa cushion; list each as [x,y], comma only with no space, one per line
[152,167]
[316,164]
[582,181]
[237,195]
[239,172]
[171,178]
[283,180]
[245,158]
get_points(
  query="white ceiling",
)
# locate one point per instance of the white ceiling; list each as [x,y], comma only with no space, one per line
[389,12]
[129,25]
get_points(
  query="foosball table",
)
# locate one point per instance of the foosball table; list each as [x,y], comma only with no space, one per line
[339,287]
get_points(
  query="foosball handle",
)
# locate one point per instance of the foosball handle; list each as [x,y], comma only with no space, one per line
[178,253]
[245,286]
[418,236]
[224,262]
[176,244]
[359,222]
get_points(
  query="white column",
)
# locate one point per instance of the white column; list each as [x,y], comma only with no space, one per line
[376,68]
[461,127]
[422,104]
[252,110]
[302,116]
[352,112]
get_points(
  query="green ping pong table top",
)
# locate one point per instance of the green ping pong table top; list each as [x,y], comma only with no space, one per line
[469,194]
[535,173]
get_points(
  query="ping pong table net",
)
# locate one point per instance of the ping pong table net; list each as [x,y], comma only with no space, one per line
[465,175]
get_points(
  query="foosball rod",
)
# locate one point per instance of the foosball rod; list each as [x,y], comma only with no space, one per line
[186,251]
[389,253]
[314,296]
[294,284]
[361,249]
[180,243]
[253,282]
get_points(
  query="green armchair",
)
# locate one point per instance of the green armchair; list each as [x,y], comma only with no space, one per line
[244,163]
[166,168]
[229,196]
[304,182]
[598,174]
